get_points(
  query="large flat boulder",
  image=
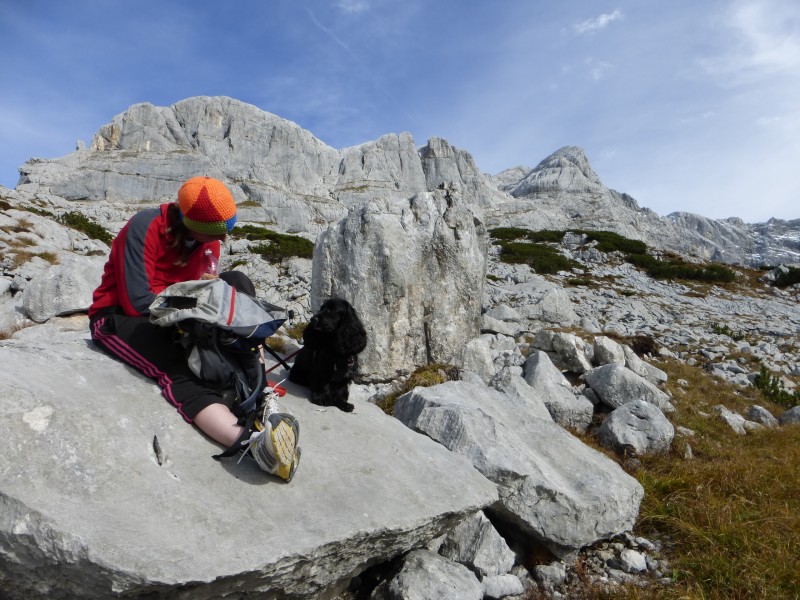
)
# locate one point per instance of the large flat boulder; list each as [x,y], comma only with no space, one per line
[552,486]
[90,508]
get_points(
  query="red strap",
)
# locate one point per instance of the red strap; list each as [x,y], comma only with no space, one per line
[233,305]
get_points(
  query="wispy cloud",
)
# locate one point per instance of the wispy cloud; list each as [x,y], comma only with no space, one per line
[597,68]
[764,39]
[352,6]
[597,23]
[361,64]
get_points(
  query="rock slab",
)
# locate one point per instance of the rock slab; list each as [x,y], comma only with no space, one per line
[92,506]
[552,486]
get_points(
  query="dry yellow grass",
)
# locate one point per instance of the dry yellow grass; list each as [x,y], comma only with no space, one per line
[731,515]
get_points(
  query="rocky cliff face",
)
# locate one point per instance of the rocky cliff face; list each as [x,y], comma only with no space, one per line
[281,174]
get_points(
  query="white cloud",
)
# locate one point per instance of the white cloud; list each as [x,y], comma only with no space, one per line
[764,39]
[597,68]
[352,6]
[597,23]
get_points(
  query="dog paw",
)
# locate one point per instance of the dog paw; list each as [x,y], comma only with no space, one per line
[346,407]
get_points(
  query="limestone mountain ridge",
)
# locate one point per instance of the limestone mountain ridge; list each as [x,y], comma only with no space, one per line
[282,174]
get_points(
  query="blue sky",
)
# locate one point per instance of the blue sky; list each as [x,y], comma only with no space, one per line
[685,105]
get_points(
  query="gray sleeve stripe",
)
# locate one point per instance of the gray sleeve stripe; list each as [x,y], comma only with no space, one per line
[137,281]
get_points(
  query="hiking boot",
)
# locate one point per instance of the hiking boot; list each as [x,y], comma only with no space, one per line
[275,447]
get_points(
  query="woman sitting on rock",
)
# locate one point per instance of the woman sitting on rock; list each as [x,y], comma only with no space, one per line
[159,247]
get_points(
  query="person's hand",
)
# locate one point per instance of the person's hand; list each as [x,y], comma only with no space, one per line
[207,276]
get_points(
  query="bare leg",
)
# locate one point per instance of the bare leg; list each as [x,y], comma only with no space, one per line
[219,423]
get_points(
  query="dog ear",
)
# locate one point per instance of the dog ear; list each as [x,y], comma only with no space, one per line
[352,337]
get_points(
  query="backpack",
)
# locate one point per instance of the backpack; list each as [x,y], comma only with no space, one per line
[222,332]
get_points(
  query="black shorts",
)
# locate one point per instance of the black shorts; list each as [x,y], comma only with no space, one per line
[156,352]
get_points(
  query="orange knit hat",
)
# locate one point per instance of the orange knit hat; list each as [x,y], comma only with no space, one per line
[207,206]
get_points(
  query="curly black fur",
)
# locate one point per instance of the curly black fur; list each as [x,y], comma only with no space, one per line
[328,360]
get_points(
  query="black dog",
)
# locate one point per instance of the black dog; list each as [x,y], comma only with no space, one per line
[328,360]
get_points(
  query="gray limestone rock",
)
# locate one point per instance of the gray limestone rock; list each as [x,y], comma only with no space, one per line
[607,352]
[425,576]
[551,576]
[733,419]
[476,544]
[549,384]
[552,486]
[510,383]
[761,415]
[637,424]
[643,368]
[617,385]
[790,417]
[501,586]
[414,271]
[478,358]
[491,325]
[632,561]
[567,351]
[106,491]
[63,288]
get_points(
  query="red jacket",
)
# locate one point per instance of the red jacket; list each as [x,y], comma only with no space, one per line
[142,264]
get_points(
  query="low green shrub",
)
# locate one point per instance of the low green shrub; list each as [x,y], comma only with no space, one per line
[278,246]
[82,223]
[725,330]
[677,269]
[608,241]
[542,259]
[788,278]
[509,233]
[772,388]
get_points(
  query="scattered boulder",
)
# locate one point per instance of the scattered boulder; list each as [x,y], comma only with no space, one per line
[616,385]
[761,415]
[501,586]
[638,425]
[479,358]
[643,368]
[552,486]
[790,417]
[549,384]
[607,352]
[63,289]
[567,351]
[425,574]
[476,544]
[734,420]
[552,308]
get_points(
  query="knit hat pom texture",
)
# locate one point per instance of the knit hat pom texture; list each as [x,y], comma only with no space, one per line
[207,206]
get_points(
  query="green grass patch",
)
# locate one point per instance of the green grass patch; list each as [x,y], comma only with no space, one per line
[82,223]
[275,247]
